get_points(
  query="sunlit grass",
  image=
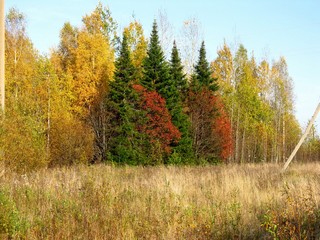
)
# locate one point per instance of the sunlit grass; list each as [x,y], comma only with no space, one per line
[104,202]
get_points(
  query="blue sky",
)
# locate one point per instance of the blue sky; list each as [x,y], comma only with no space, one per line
[269,28]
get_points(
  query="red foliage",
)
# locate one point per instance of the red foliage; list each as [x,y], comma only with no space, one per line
[159,126]
[222,129]
[211,126]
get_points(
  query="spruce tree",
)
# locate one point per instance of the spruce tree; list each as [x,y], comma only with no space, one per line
[202,76]
[158,74]
[120,88]
[170,82]
[155,68]
[203,111]
[183,150]
[176,71]
[126,143]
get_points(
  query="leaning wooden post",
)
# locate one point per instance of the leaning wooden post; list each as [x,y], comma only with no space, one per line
[2,55]
[302,138]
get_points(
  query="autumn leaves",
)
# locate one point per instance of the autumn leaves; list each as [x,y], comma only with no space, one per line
[101,98]
[154,113]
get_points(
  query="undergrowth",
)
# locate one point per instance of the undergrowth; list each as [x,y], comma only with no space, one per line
[173,202]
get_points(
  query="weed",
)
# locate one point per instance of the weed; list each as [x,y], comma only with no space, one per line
[11,223]
[298,217]
[161,202]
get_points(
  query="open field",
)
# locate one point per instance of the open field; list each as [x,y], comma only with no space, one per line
[205,202]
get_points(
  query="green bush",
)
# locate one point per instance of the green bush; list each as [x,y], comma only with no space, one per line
[11,223]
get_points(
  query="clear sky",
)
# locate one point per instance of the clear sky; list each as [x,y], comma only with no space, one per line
[269,28]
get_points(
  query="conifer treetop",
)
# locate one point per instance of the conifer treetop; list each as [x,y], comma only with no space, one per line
[202,76]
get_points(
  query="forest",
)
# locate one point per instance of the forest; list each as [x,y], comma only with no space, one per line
[119,135]
[122,98]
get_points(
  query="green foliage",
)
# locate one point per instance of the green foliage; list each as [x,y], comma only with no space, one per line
[183,149]
[170,82]
[120,87]
[176,72]
[12,225]
[202,76]
[76,107]
[127,145]
[155,68]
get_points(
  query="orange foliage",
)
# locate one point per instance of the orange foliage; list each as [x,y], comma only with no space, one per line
[212,133]
[222,129]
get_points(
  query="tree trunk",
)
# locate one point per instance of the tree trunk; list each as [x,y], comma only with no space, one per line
[283,138]
[265,148]
[243,145]
[49,119]
[237,159]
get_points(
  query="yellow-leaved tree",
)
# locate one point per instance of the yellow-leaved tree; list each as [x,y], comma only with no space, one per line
[138,46]
[22,131]
[84,63]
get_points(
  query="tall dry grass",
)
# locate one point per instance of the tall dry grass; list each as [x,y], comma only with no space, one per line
[104,202]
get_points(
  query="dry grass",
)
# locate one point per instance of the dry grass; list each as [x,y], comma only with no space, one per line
[104,202]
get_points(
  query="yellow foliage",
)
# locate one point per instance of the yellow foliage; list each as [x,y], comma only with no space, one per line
[137,44]
[20,66]
[93,70]
[70,141]
[94,64]
[22,143]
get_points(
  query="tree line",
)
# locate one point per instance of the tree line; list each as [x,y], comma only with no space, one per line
[99,97]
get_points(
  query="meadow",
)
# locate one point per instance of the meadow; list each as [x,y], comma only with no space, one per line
[250,201]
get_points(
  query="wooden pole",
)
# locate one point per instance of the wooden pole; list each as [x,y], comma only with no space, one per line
[302,138]
[2,55]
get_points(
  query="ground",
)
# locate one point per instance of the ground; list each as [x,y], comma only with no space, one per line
[175,202]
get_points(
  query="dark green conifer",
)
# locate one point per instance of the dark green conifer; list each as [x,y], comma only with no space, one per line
[120,88]
[170,82]
[155,68]
[202,76]
[202,109]
[176,71]
[126,143]
[183,151]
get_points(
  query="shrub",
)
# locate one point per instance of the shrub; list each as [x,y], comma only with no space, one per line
[22,142]
[11,223]
[159,127]
[71,141]
[299,217]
